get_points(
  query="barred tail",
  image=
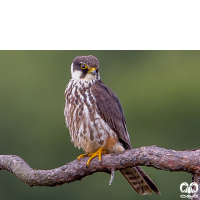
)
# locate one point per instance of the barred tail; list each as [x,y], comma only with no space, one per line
[139,180]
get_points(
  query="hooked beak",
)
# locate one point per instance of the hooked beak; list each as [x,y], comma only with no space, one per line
[92,71]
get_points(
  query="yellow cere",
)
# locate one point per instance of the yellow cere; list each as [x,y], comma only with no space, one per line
[92,69]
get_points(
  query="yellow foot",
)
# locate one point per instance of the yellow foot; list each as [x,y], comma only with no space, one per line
[82,155]
[97,153]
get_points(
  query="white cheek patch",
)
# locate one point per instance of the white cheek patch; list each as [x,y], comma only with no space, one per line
[89,77]
[76,74]
[72,66]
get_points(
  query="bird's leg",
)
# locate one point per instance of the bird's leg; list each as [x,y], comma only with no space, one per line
[97,153]
[82,155]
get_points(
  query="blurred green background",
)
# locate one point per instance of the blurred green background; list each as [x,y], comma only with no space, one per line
[160,95]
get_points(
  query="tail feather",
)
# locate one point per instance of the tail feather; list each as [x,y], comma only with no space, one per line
[148,180]
[139,180]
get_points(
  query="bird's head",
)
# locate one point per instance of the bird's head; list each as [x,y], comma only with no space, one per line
[85,68]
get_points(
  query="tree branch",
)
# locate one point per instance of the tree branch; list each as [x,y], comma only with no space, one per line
[159,158]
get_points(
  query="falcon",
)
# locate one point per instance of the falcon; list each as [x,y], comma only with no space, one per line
[96,120]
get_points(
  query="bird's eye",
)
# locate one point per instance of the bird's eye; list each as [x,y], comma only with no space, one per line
[83,66]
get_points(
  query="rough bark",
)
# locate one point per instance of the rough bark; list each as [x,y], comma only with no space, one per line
[159,158]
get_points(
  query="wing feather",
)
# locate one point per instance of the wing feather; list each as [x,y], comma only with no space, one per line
[111,111]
